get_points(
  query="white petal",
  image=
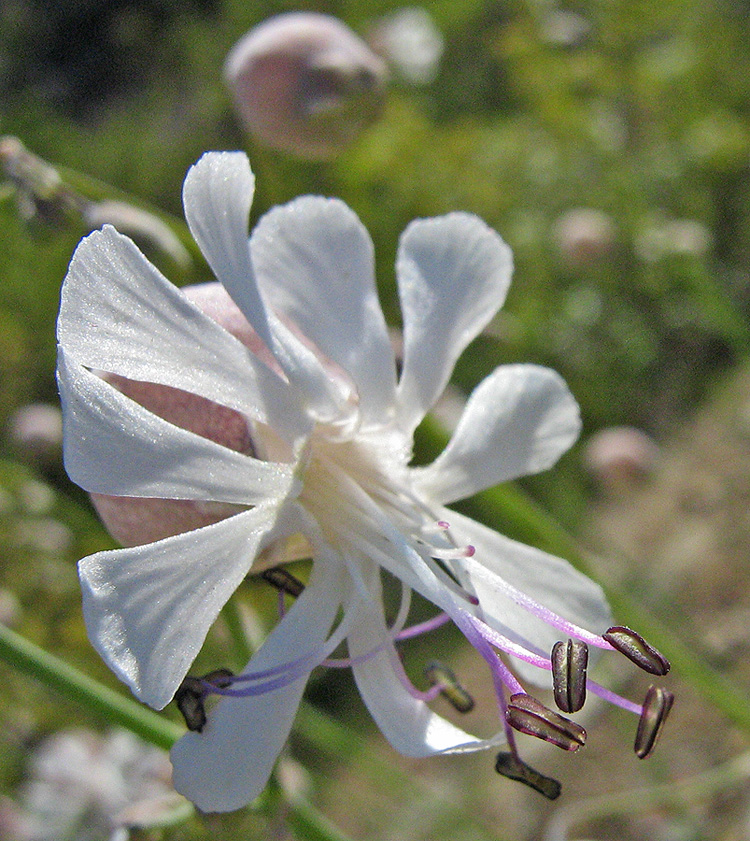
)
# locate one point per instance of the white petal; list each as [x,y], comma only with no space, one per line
[314,262]
[119,314]
[228,764]
[114,446]
[548,580]
[453,274]
[518,421]
[411,727]
[216,196]
[148,609]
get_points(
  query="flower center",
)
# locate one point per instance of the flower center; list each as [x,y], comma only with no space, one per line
[360,504]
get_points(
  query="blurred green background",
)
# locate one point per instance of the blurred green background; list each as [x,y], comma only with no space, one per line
[609,143]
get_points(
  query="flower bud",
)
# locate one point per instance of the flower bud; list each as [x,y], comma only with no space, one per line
[584,236]
[620,457]
[36,430]
[304,83]
[134,521]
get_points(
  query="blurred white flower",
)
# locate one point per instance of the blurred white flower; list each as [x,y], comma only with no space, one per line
[411,42]
[304,83]
[80,784]
[325,474]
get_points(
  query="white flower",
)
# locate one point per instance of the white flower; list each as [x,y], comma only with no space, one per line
[331,427]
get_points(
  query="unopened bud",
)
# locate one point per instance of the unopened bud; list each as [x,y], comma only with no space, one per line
[138,224]
[527,715]
[305,83]
[284,581]
[584,236]
[40,190]
[510,766]
[656,708]
[635,648]
[569,663]
[440,675]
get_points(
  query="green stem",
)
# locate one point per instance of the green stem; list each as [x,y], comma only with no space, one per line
[310,824]
[56,674]
[96,698]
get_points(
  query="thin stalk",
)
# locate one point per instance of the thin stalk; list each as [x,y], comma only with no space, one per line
[76,686]
[114,708]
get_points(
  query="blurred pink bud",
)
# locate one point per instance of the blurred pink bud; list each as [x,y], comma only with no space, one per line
[37,430]
[620,456]
[305,83]
[134,521]
[584,235]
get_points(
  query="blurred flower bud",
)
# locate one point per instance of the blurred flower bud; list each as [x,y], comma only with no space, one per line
[304,83]
[620,457]
[36,430]
[40,191]
[411,42]
[584,235]
[565,29]
[134,521]
[10,616]
[138,224]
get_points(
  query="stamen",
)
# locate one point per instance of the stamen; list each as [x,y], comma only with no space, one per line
[452,552]
[478,573]
[511,766]
[440,675]
[283,581]
[569,663]
[635,648]
[656,708]
[423,627]
[191,694]
[530,716]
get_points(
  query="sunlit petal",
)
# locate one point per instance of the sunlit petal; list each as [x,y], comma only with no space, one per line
[216,196]
[148,608]
[160,459]
[519,421]
[228,764]
[119,314]
[453,274]
[314,262]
